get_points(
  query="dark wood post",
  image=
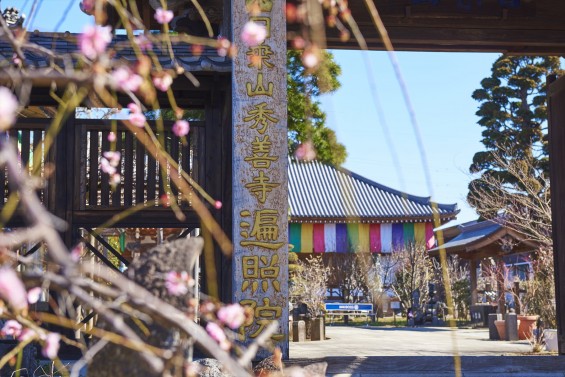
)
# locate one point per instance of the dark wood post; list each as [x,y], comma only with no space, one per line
[473,281]
[556,103]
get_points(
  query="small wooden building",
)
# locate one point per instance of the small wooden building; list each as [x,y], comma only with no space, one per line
[486,241]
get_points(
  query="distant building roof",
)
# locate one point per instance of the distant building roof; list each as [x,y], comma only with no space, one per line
[66,43]
[486,237]
[324,193]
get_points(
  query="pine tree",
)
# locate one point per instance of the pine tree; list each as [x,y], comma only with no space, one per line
[513,114]
[306,120]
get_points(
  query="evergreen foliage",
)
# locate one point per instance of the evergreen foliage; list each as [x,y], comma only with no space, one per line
[306,120]
[513,114]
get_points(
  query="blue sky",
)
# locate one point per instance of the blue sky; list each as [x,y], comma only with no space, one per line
[440,87]
[51,13]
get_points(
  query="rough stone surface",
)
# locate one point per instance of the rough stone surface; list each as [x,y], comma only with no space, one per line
[317,332]
[149,270]
[298,331]
[211,368]
[511,326]
[492,332]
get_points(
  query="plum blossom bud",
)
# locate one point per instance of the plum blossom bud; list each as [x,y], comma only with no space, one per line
[181,128]
[218,204]
[197,50]
[76,252]
[253,34]
[12,289]
[134,108]
[223,46]
[298,43]
[163,16]
[177,283]
[115,179]
[111,137]
[51,345]
[94,40]
[163,82]
[11,328]
[33,295]
[143,42]
[305,152]
[27,334]
[291,13]
[8,108]
[232,315]
[87,6]
[16,60]
[218,334]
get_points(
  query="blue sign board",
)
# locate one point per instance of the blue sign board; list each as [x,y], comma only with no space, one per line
[349,307]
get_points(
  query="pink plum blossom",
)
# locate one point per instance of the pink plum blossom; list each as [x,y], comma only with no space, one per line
[305,152]
[107,167]
[112,137]
[232,315]
[218,334]
[51,345]
[33,295]
[143,42]
[177,283]
[253,34]
[11,328]
[134,108]
[218,204]
[8,108]
[163,82]
[12,289]
[310,59]
[181,128]
[163,16]
[113,157]
[124,79]
[94,40]
[137,119]
[109,164]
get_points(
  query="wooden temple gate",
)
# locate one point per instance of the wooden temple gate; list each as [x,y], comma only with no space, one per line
[79,193]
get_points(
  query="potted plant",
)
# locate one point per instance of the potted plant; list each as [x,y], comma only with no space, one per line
[539,296]
[501,328]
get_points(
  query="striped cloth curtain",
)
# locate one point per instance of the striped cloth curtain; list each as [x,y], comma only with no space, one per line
[358,237]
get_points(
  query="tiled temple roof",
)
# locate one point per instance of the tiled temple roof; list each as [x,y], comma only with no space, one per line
[323,193]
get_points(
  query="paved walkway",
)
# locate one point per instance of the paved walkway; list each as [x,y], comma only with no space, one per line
[378,351]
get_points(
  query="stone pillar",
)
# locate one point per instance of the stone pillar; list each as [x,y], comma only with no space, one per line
[473,281]
[511,326]
[259,178]
[492,331]
[299,331]
[501,289]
